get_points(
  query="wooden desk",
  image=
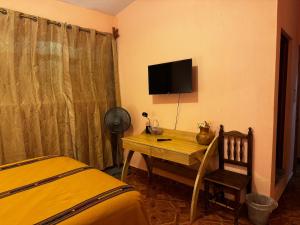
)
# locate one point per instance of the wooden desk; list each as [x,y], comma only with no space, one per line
[182,149]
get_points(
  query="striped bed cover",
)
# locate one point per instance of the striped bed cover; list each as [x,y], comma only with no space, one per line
[55,189]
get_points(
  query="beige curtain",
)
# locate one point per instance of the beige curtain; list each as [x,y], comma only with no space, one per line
[56,83]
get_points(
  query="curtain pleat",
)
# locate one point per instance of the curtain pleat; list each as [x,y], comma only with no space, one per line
[56,83]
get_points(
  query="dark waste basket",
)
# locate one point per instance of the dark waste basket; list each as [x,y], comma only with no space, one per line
[259,208]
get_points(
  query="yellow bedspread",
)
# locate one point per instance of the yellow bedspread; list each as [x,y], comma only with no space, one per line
[43,194]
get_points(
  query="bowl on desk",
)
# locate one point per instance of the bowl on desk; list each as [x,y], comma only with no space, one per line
[156,130]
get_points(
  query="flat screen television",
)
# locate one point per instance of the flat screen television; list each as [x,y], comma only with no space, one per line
[171,77]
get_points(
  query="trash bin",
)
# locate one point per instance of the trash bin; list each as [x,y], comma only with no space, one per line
[259,208]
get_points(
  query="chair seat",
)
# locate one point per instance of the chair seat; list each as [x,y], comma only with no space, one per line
[228,179]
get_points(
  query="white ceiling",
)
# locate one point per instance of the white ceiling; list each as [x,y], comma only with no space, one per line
[111,7]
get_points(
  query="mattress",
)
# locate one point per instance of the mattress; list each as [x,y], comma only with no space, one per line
[53,189]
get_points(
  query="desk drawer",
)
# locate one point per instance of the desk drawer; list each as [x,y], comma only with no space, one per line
[128,145]
[170,155]
[173,156]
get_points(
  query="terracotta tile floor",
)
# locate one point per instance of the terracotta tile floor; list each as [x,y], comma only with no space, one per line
[168,203]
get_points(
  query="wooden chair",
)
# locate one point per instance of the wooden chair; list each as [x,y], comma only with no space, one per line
[235,150]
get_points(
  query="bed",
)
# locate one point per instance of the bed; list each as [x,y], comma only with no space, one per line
[55,189]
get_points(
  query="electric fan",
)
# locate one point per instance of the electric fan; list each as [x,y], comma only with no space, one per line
[117,120]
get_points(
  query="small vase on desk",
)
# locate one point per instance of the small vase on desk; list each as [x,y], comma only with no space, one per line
[204,137]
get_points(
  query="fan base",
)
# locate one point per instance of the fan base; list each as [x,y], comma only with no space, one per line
[115,171]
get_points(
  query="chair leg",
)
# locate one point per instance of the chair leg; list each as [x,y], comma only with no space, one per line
[220,193]
[236,220]
[206,196]
[237,209]
[249,187]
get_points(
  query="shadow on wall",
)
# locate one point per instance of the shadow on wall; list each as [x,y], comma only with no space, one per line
[130,131]
[185,97]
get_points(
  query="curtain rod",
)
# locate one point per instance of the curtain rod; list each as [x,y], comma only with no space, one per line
[3,11]
[69,26]
[115,31]
[84,30]
[54,23]
[22,15]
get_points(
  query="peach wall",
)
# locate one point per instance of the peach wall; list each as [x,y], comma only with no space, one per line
[232,44]
[288,20]
[63,12]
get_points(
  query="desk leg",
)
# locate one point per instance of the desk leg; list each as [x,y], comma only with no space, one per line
[197,186]
[149,165]
[199,179]
[126,165]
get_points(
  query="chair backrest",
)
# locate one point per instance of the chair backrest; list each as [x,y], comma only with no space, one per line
[235,148]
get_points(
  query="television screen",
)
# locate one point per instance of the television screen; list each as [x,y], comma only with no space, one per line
[172,77]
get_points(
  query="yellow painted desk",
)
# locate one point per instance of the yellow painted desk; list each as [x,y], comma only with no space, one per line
[182,149]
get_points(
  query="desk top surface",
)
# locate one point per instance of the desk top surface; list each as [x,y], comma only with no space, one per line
[182,141]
